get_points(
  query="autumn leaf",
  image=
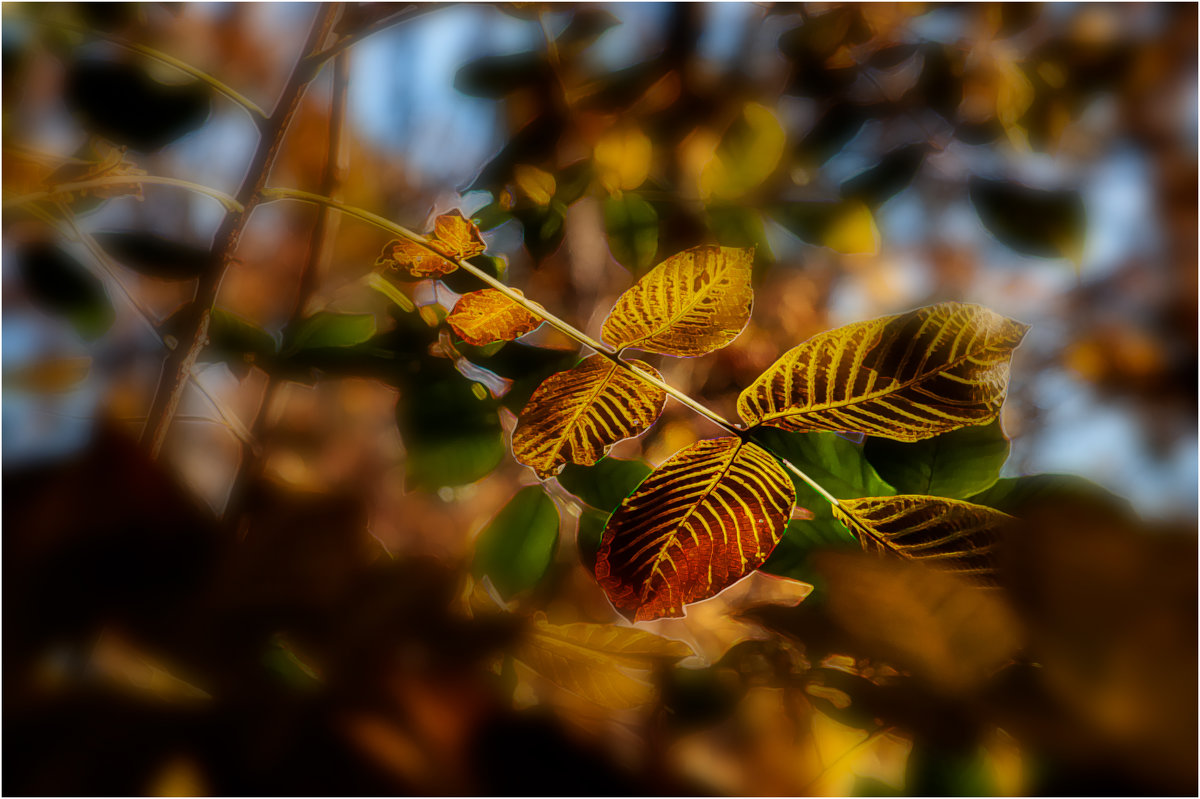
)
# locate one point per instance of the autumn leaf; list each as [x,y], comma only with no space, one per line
[456,237]
[577,415]
[904,377]
[691,304]
[746,156]
[622,159]
[536,184]
[412,259]
[482,317]
[951,535]
[703,520]
[603,663]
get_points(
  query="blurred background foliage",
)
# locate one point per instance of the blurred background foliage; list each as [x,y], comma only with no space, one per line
[336,579]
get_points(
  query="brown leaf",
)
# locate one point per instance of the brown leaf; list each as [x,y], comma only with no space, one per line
[482,317]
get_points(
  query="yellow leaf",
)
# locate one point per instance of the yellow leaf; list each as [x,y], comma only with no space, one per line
[408,257]
[747,155]
[622,159]
[853,231]
[952,535]
[905,377]
[603,663]
[702,521]
[538,185]
[482,317]
[690,304]
[577,415]
[457,237]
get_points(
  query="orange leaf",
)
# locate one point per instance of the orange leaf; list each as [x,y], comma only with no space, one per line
[456,237]
[403,255]
[482,317]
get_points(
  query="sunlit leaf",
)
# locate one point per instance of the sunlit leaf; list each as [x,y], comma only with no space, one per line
[482,317]
[632,227]
[690,304]
[905,377]
[456,237]
[1047,224]
[847,226]
[622,159]
[606,483]
[517,546]
[536,184]
[951,535]
[703,520]
[955,464]
[603,663]
[577,415]
[747,155]
[63,286]
[407,258]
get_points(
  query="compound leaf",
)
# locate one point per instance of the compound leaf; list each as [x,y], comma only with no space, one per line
[904,377]
[577,415]
[691,304]
[706,518]
[955,464]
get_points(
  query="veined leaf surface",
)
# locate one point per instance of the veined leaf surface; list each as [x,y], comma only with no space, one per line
[904,377]
[408,257]
[603,663]
[456,237]
[954,536]
[577,415]
[692,303]
[482,317]
[706,518]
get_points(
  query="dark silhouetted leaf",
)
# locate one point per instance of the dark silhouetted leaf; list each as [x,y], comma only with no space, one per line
[1048,224]
[495,76]
[154,255]
[518,544]
[588,25]
[64,287]
[121,102]
[451,437]
[231,334]
[957,464]
[544,229]
[830,134]
[846,226]
[891,175]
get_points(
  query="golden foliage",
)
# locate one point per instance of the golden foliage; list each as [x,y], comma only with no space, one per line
[482,317]
[905,377]
[692,303]
[622,159]
[603,663]
[747,155]
[703,520]
[952,535]
[454,236]
[577,415]
[536,184]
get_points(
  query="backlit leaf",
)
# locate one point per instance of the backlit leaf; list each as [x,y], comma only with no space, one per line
[536,184]
[954,536]
[455,236]
[516,547]
[631,224]
[482,317]
[905,377]
[406,257]
[690,304]
[955,464]
[603,663]
[577,415]
[706,518]
[622,159]
[1047,224]
[747,155]
[847,226]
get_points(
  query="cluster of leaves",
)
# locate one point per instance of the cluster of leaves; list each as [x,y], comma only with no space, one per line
[664,136]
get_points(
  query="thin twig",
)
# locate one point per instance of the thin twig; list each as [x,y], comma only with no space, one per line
[179,363]
[348,41]
[230,203]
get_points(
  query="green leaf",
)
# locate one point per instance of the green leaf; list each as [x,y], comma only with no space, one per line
[326,329]
[491,216]
[572,181]
[739,226]
[496,76]
[632,227]
[516,547]
[64,287]
[1018,495]
[955,465]
[605,484]
[154,255]
[451,436]
[588,534]
[1046,224]
[544,229]
[229,333]
[890,176]
[840,467]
